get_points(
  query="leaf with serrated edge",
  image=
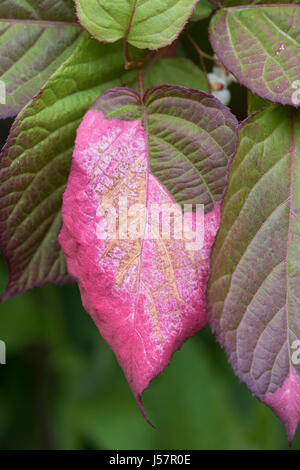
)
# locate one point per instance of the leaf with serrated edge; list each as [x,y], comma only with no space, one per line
[35,163]
[35,39]
[149,24]
[260,46]
[145,292]
[254,291]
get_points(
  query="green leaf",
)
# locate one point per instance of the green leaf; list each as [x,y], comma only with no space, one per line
[46,10]
[254,292]
[260,46]
[35,40]
[256,103]
[146,24]
[233,3]
[177,71]
[35,162]
[203,9]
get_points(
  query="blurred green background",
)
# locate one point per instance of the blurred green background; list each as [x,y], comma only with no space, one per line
[63,389]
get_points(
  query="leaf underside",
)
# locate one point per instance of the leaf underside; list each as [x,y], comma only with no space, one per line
[254,291]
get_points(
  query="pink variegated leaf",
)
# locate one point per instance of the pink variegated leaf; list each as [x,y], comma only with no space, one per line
[144,282]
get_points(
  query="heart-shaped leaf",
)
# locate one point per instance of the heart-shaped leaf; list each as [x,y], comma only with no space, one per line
[35,163]
[134,162]
[254,293]
[144,24]
[260,46]
[35,39]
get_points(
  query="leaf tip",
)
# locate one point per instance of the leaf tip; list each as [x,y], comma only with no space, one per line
[285,402]
[141,407]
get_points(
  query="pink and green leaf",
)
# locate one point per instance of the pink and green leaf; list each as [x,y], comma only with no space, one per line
[191,137]
[146,294]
